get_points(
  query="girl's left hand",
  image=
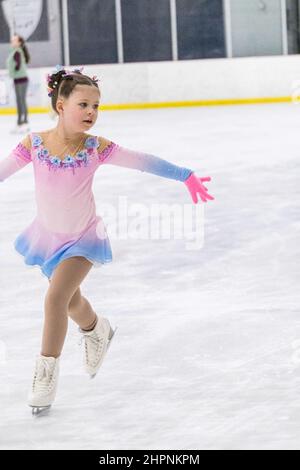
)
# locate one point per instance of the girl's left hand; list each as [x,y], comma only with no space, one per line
[195,186]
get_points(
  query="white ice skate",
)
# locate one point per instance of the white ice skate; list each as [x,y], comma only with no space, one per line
[25,127]
[18,129]
[97,342]
[44,384]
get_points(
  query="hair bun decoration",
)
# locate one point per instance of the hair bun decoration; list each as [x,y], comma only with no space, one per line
[54,79]
[59,68]
[60,74]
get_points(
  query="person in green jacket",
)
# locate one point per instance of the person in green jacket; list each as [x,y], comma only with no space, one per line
[17,68]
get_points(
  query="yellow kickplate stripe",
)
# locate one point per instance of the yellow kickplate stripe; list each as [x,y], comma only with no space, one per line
[168,104]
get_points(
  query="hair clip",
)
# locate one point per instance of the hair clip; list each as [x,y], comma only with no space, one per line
[95,79]
[71,72]
[50,91]
[79,70]
[58,68]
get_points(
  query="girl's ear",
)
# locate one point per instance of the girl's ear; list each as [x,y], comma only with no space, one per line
[59,105]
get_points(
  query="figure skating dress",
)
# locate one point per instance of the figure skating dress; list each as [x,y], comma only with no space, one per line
[66,223]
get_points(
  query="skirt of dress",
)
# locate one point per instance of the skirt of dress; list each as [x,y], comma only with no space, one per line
[47,249]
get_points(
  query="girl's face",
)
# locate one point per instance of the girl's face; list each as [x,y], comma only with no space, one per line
[79,108]
[15,41]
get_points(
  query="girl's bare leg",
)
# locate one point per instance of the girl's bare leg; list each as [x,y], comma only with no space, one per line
[81,311]
[65,281]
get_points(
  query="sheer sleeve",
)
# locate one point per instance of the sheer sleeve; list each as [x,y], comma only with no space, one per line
[114,154]
[17,159]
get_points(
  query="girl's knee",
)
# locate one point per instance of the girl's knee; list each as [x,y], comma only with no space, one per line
[55,301]
[60,300]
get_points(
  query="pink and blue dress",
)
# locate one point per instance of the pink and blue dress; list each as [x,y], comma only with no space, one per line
[66,223]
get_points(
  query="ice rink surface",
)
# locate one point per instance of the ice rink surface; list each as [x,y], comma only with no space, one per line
[207,352]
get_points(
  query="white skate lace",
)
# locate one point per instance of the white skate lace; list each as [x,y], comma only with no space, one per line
[43,376]
[93,341]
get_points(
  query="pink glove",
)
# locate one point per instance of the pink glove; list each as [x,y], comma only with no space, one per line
[195,186]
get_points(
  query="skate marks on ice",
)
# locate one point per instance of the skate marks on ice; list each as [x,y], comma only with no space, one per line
[234,381]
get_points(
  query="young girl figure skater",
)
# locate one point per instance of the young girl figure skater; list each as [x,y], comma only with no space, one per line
[63,239]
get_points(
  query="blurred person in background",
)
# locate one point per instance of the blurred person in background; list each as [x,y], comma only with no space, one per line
[17,67]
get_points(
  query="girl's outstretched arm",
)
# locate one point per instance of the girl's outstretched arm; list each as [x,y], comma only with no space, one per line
[19,157]
[114,154]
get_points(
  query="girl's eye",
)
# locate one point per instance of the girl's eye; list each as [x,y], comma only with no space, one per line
[84,104]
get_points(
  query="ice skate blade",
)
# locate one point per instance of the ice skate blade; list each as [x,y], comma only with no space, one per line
[38,410]
[92,376]
[111,338]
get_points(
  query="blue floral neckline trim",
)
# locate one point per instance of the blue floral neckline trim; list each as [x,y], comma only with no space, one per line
[82,158]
